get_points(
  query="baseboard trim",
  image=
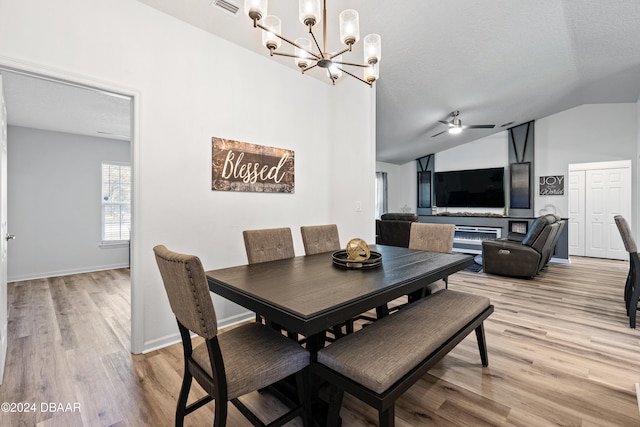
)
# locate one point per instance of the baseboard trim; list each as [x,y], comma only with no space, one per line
[169,340]
[46,275]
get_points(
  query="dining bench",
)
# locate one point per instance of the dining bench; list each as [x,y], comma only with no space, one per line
[378,363]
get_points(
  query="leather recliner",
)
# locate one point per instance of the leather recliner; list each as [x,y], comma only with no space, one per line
[523,255]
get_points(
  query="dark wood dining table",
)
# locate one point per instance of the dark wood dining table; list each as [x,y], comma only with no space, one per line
[309,294]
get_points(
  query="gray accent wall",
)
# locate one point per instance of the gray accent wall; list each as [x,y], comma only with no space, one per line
[54,207]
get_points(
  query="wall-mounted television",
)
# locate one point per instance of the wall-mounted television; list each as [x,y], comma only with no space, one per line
[474,188]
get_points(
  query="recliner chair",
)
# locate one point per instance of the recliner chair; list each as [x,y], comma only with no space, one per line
[523,256]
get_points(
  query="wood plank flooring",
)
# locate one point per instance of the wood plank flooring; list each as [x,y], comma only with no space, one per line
[560,353]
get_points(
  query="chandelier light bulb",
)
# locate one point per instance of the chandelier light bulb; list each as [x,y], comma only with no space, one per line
[334,71]
[273,25]
[372,48]
[310,12]
[349,27]
[371,73]
[303,58]
[255,9]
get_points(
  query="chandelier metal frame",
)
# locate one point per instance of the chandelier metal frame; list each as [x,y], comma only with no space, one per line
[322,58]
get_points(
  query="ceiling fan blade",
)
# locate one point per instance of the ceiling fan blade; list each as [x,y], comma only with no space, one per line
[439,133]
[481,126]
[445,122]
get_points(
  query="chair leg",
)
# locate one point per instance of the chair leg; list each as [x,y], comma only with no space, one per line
[387,418]
[220,414]
[181,409]
[335,403]
[482,345]
[304,395]
[633,306]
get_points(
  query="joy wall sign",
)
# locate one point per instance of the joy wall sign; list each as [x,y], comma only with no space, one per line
[552,185]
[240,166]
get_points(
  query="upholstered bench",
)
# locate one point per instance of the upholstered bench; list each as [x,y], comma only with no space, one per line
[379,363]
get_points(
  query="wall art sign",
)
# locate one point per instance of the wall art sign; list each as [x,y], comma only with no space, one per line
[240,166]
[552,185]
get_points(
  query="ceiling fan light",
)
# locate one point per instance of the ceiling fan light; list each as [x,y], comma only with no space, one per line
[255,9]
[349,27]
[372,48]
[310,12]
[269,38]
[303,58]
[455,130]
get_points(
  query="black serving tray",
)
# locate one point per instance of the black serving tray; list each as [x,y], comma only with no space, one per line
[340,260]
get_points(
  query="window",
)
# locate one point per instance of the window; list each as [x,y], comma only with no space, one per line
[381,193]
[116,202]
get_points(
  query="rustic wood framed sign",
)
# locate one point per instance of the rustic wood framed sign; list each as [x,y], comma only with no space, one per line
[241,166]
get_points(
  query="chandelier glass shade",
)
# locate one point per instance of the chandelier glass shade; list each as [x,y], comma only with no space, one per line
[305,56]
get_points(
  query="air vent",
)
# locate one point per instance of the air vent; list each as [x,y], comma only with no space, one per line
[227,6]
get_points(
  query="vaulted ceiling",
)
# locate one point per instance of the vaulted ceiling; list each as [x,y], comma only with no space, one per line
[501,62]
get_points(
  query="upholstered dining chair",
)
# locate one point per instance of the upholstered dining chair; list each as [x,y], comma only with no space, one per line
[432,238]
[227,365]
[632,287]
[319,239]
[269,244]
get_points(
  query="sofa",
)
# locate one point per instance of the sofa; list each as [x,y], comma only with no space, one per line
[523,255]
[394,229]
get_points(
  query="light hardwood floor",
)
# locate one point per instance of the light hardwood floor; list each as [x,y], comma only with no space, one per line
[560,353]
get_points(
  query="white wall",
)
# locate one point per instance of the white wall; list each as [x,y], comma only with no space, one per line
[402,186]
[54,205]
[584,134]
[189,86]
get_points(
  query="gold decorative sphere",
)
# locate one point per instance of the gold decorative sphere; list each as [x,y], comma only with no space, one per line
[357,250]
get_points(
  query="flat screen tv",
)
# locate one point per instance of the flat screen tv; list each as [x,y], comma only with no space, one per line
[475,188]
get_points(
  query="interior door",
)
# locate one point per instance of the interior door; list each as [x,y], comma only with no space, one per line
[576,212]
[608,193]
[4,235]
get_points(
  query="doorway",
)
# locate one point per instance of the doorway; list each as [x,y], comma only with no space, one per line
[598,192]
[65,83]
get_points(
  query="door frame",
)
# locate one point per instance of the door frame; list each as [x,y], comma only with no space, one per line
[614,164]
[87,82]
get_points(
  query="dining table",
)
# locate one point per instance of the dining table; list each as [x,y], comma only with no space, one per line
[310,294]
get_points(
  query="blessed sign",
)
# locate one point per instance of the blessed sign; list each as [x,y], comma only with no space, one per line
[240,166]
[552,185]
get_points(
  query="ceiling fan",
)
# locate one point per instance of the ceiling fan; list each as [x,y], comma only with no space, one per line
[455,125]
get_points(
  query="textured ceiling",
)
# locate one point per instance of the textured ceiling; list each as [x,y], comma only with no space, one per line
[45,104]
[496,61]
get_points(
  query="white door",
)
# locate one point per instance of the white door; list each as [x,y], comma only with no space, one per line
[4,234]
[576,212]
[608,193]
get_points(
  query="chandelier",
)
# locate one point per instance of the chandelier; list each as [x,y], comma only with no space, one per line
[311,12]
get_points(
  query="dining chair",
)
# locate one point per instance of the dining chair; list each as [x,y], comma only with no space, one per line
[432,238]
[319,239]
[269,244]
[227,365]
[632,287]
